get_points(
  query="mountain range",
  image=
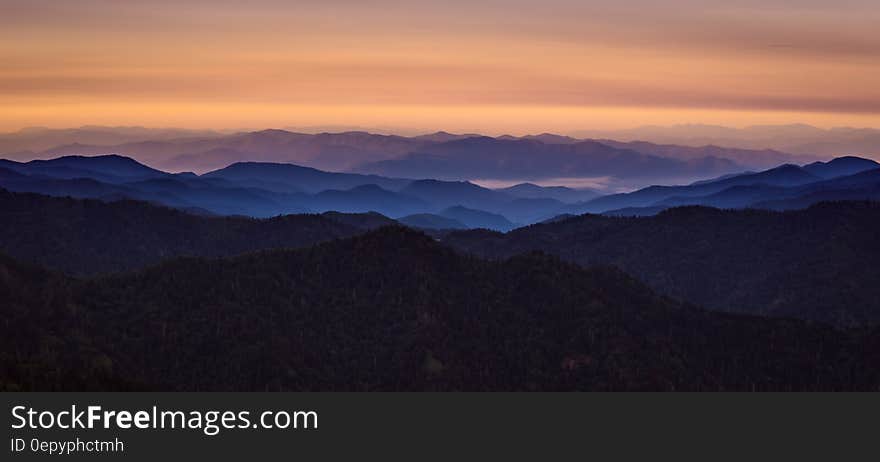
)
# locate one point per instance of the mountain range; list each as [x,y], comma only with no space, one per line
[438,155]
[781,264]
[334,151]
[260,189]
[121,294]
[531,159]
[794,138]
[725,269]
[266,189]
[24,144]
[820,263]
[395,310]
[780,188]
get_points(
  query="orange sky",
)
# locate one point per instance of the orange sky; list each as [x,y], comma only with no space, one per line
[494,66]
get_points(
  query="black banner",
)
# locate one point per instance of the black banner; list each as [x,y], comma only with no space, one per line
[414,426]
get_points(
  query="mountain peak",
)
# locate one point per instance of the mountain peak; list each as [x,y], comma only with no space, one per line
[840,166]
[369,188]
[272,131]
[786,168]
[106,164]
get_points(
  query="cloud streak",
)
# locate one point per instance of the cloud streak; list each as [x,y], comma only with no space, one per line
[744,57]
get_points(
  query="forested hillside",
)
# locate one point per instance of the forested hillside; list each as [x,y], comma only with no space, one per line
[90,236]
[822,263]
[395,310]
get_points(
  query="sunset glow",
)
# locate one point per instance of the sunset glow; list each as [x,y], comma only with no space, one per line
[494,66]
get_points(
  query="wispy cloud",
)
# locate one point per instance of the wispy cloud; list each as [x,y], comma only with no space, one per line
[751,58]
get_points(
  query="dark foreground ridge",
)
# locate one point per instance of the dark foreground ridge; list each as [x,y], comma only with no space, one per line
[395,310]
[87,236]
[821,263]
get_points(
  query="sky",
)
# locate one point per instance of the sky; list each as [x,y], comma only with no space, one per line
[508,66]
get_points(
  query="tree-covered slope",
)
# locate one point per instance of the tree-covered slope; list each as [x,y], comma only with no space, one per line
[822,263]
[90,236]
[395,310]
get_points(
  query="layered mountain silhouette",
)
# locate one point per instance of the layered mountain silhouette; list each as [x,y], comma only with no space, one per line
[92,237]
[794,138]
[841,178]
[114,177]
[294,178]
[841,166]
[477,218]
[449,193]
[753,158]
[439,155]
[559,193]
[268,189]
[366,198]
[820,263]
[757,262]
[395,310]
[109,168]
[355,261]
[265,189]
[27,143]
[531,159]
[442,137]
[335,151]
[87,237]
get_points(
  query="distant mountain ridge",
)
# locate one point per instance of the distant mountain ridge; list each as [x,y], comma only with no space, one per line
[26,143]
[750,189]
[257,189]
[415,157]
[841,166]
[262,189]
[334,151]
[111,168]
[560,193]
[793,138]
[753,158]
[533,159]
[290,177]
[477,218]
